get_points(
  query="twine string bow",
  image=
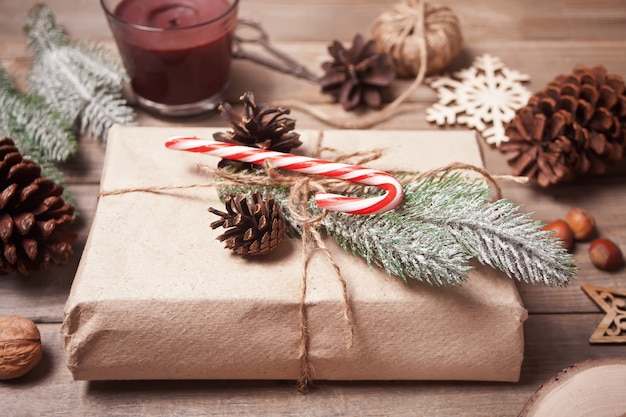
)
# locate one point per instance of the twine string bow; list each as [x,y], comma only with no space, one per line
[301,187]
[298,206]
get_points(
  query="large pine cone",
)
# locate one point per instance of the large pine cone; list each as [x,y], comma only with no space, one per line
[254,227]
[260,126]
[356,75]
[34,219]
[575,126]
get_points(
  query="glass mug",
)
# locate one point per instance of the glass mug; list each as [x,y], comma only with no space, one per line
[177,52]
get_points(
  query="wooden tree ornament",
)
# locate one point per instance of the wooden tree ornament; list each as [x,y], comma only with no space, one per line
[612,328]
[594,387]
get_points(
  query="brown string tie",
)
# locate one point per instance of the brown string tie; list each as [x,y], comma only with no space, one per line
[301,188]
[298,206]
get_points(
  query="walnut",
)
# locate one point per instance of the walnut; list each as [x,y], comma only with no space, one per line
[20,346]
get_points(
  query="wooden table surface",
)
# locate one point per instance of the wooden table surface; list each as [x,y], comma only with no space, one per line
[536,37]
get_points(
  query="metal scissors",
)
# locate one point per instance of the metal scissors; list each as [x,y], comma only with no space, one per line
[282,62]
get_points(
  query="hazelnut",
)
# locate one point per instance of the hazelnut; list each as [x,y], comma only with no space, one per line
[605,254]
[561,230]
[20,346]
[582,223]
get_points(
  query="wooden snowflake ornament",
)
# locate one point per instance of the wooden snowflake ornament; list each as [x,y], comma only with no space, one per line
[484,97]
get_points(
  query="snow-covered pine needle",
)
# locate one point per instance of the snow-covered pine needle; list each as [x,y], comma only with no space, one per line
[85,82]
[441,225]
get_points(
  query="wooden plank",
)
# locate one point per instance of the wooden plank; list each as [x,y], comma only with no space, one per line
[541,60]
[540,38]
[86,166]
[318,20]
[553,343]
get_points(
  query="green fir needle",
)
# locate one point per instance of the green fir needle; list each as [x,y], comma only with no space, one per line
[85,82]
[442,224]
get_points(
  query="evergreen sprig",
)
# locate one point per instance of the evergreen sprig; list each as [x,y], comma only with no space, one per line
[440,226]
[36,127]
[85,82]
[495,233]
[423,252]
[41,133]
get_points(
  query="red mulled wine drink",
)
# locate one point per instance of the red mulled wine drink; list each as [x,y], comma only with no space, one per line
[177,52]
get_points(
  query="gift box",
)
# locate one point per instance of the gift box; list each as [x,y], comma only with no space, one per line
[156,296]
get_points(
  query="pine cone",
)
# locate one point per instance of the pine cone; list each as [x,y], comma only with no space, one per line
[34,219]
[261,126]
[357,75]
[254,227]
[575,126]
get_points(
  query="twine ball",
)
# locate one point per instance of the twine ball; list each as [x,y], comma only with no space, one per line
[397,33]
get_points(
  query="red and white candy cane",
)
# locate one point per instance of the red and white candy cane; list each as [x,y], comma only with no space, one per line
[354,173]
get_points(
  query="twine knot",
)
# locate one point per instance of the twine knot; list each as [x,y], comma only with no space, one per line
[309,220]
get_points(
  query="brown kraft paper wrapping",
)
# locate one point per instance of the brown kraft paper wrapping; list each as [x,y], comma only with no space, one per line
[157,297]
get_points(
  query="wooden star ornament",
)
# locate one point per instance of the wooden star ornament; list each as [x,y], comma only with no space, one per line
[612,328]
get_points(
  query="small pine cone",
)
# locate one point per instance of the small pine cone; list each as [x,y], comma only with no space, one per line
[34,219]
[254,227]
[575,126]
[260,126]
[357,75]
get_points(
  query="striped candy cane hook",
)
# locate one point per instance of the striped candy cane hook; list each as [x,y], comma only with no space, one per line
[335,202]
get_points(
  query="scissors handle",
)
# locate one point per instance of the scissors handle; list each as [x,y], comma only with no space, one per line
[281,62]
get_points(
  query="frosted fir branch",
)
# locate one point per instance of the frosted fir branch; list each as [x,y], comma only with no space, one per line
[414,248]
[38,130]
[43,30]
[511,242]
[83,81]
[495,233]
[40,133]
[103,112]
[421,252]
[441,225]
[102,65]
[85,68]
